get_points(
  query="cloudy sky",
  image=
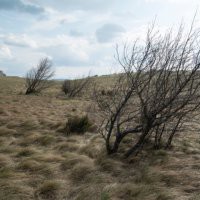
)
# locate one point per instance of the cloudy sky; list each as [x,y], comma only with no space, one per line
[79,35]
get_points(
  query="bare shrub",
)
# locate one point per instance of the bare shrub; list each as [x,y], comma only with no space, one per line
[156,93]
[73,88]
[37,79]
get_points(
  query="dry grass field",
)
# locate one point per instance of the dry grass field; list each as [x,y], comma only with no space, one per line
[38,161]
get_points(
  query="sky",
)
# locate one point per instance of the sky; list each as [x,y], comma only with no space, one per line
[80,36]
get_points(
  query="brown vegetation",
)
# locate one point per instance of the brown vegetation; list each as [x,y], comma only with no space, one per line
[37,161]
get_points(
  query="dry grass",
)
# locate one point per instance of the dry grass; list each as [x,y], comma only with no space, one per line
[48,190]
[38,161]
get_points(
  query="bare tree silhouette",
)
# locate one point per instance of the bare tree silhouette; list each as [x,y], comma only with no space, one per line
[37,79]
[156,93]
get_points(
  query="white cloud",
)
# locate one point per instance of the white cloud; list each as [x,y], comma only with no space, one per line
[53,20]
[18,40]
[5,52]
[65,49]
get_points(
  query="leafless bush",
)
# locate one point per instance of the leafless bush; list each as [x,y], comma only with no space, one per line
[73,88]
[156,94]
[37,79]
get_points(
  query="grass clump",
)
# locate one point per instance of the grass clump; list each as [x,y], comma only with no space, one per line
[146,176]
[5,172]
[4,131]
[81,172]
[163,196]
[3,161]
[67,146]
[73,159]
[25,152]
[109,165]
[78,125]
[105,196]
[130,191]
[13,191]
[45,140]
[48,190]
[30,165]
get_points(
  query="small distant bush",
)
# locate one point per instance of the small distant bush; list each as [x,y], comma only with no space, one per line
[78,125]
[74,88]
[107,92]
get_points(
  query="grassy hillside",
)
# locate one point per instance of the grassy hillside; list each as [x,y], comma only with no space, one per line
[38,161]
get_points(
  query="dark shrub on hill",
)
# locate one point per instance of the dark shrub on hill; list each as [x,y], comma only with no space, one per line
[78,125]
[76,87]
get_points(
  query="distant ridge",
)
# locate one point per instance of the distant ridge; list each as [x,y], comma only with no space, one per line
[2,74]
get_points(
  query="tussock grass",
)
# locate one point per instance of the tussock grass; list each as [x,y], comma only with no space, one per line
[4,160]
[35,167]
[145,175]
[77,124]
[29,125]
[29,139]
[170,180]
[26,152]
[48,190]
[37,161]
[81,172]
[15,191]
[48,158]
[6,172]
[88,192]
[195,197]
[8,149]
[3,112]
[67,147]
[37,139]
[105,196]
[93,148]
[72,159]
[108,164]
[4,131]
[164,196]
[30,166]
[45,140]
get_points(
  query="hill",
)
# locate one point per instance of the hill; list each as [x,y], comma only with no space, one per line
[38,161]
[1,73]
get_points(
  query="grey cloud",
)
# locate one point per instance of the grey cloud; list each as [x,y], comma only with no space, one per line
[19,5]
[80,4]
[108,32]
